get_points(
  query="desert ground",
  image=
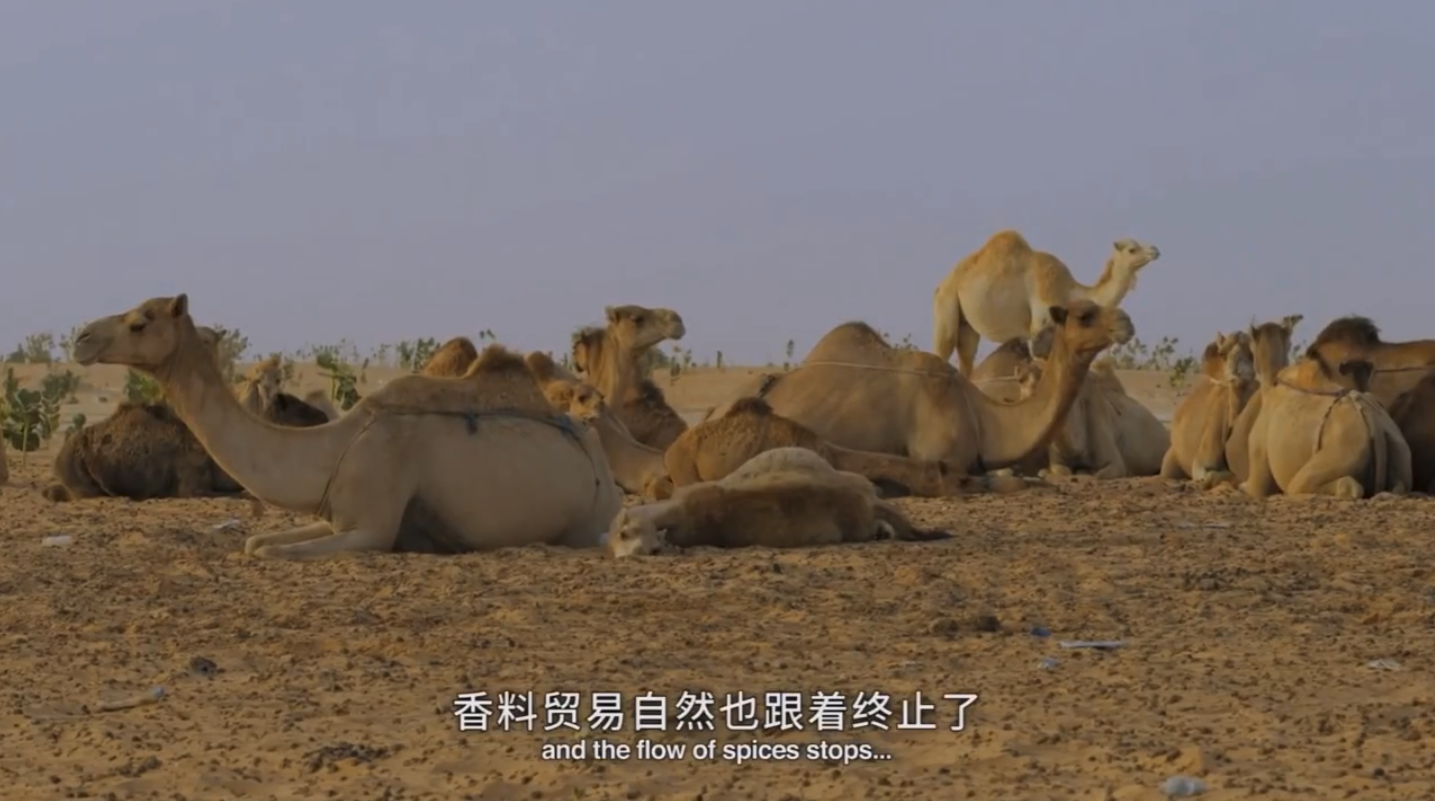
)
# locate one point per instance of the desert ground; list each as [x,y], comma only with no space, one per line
[1280,649]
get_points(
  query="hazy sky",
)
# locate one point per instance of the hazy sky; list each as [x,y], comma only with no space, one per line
[310,171]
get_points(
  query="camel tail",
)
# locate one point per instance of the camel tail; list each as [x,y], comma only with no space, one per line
[891,517]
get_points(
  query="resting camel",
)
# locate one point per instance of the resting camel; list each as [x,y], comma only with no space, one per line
[856,391]
[452,359]
[1414,413]
[637,468]
[1202,422]
[774,509]
[4,464]
[1321,433]
[1398,365]
[423,464]
[611,359]
[144,451]
[716,447]
[1107,432]
[1002,291]
[1270,350]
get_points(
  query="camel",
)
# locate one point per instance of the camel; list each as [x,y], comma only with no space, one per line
[714,448]
[1412,413]
[1202,422]
[774,509]
[423,464]
[4,464]
[452,359]
[1270,350]
[261,393]
[1399,366]
[1002,291]
[1321,432]
[144,451]
[611,358]
[858,392]
[1107,431]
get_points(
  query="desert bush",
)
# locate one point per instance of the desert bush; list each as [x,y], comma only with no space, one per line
[414,354]
[142,388]
[28,417]
[343,381]
[36,349]
[232,347]
[64,384]
[77,423]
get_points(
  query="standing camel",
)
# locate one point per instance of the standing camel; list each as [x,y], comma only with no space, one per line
[1001,291]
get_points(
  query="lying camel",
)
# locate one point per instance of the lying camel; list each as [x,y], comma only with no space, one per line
[144,451]
[452,359]
[262,394]
[423,464]
[1270,351]
[1107,432]
[1002,291]
[1398,365]
[773,509]
[1414,414]
[611,358]
[638,469]
[714,448]
[1202,422]
[1321,433]
[856,391]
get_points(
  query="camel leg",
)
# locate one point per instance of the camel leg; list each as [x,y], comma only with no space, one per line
[337,542]
[968,340]
[1327,472]
[1401,465]
[946,319]
[308,531]
[1171,465]
[1260,481]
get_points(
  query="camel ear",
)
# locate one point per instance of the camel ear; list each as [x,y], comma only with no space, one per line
[611,313]
[1058,314]
[178,305]
[1289,323]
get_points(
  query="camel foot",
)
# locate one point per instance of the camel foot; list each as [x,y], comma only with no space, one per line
[258,542]
[1056,471]
[335,543]
[1347,487]
[1214,478]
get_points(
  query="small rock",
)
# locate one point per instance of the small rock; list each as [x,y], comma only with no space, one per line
[202,666]
[945,627]
[986,623]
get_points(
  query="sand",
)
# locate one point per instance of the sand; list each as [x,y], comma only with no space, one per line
[1249,630]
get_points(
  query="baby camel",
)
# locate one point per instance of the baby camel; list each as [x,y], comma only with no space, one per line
[804,505]
[1319,432]
[1202,422]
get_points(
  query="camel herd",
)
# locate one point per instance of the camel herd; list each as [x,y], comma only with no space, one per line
[490,449]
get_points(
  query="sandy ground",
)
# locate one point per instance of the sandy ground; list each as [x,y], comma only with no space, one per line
[1249,631]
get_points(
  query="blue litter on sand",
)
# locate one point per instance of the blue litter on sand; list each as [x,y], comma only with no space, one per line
[1039,631]
[1182,786]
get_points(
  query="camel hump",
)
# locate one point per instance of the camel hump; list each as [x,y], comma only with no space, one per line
[1350,330]
[1007,240]
[542,365]
[756,407]
[496,361]
[498,381]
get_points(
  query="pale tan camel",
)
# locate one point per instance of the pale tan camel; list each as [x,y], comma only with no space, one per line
[1202,422]
[1399,366]
[1414,413]
[611,359]
[783,509]
[452,359]
[493,468]
[856,391]
[714,448]
[1270,350]
[1107,432]
[1321,433]
[1002,291]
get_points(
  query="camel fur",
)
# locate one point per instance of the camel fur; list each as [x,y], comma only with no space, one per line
[774,509]
[1002,291]
[611,358]
[262,394]
[1398,366]
[1414,414]
[858,392]
[1202,422]
[387,476]
[1270,352]
[714,448]
[1321,432]
[452,359]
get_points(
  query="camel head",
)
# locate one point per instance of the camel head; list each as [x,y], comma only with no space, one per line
[634,535]
[1236,360]
[148,337]
[1028,375]
[638,327]
[1128,256]
[1087,328]
[577,399]
[267,377]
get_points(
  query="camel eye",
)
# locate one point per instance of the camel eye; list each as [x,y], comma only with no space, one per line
[135,328]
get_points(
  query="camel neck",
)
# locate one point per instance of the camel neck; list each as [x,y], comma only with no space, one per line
[1109,290]
[284,467]
[613,370]
[1012,432]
